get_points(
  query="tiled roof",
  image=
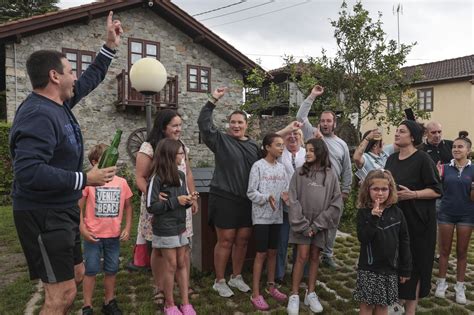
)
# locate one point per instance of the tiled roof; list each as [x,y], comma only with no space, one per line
[443,70]
[15,30]
[461,67]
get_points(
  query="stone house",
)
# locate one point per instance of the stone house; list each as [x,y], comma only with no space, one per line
[197,61]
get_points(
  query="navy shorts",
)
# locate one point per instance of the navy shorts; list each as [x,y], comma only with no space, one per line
[109,248]
[445,218]
[51,242]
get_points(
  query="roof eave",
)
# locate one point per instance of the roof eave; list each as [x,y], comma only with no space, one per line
[11,31]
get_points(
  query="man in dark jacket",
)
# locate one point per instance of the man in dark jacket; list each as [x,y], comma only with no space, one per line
[438,149]
[47,150]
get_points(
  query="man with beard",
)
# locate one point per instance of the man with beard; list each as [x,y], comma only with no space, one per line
[338,155]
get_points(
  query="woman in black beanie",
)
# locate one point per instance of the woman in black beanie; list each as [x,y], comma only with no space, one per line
[418,186]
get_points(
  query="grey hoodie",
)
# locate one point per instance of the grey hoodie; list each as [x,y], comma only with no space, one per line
[314,206]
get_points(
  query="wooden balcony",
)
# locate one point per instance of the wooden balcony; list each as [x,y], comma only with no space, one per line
[129,97]
[279,105]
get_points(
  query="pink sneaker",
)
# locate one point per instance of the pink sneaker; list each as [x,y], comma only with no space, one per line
[276,294]
[188,309]
[259,303]
[173,310]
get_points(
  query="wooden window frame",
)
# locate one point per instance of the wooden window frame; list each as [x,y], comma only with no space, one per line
[422,102]
[144,42]
[198,69]
[393,106]
[79,53]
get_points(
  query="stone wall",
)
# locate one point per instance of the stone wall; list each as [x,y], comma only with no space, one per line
[259,126]
[96,113]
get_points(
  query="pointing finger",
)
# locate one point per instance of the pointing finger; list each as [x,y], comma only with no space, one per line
[109,18]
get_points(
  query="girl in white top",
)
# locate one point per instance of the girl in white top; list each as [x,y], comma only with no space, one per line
[268,185]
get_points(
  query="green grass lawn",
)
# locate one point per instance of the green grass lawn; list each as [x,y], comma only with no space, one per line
[135,290]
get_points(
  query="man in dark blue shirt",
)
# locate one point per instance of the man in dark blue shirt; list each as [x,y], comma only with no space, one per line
[47,150]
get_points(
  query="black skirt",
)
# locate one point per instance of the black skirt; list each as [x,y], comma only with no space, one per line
[376,289]
[227,213]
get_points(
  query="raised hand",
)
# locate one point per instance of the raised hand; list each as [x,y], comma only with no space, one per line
[317,133]
[376,209]
[317,91]
[114,31]
[219,92]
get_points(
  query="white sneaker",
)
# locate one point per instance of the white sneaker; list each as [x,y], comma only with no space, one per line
[460,294]
[222,288]
[238,283]
[441,288]
[396,309]
[313,302]
[293,307]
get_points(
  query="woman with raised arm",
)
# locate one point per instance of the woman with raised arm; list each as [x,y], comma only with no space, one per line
[230,210]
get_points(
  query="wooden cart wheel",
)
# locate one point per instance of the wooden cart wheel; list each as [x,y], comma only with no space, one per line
[134,141]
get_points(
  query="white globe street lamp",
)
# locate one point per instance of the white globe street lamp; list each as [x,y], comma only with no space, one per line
[148,76]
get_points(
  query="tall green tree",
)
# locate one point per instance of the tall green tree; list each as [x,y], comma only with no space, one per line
[361,79]
[17,9]
[365,75]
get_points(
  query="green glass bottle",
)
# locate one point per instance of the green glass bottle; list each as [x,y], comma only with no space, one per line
[110,156]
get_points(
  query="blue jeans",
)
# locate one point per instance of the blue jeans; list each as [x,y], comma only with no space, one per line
[109,248]
[282,248]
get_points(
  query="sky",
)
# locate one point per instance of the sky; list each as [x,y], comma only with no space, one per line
[267,30]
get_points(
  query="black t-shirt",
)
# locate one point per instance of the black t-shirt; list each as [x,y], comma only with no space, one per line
[442,152]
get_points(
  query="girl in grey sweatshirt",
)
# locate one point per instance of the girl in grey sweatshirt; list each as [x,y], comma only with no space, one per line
[267,189]
[315,206]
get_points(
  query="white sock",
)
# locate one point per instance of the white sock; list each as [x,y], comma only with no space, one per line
[442,280]
[459,284]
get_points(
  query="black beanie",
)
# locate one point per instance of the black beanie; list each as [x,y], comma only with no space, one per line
[415,131]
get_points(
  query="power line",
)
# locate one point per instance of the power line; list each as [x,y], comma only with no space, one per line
[285,8]
[220,8]
[233,12]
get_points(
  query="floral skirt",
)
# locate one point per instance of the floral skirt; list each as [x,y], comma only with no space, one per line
[376,289]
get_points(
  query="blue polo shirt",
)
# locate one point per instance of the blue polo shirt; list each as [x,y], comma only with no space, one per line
[456,199]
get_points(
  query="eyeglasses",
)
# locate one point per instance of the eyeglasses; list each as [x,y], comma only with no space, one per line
[379,189]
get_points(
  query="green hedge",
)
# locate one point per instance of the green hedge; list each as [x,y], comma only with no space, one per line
[6,172]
